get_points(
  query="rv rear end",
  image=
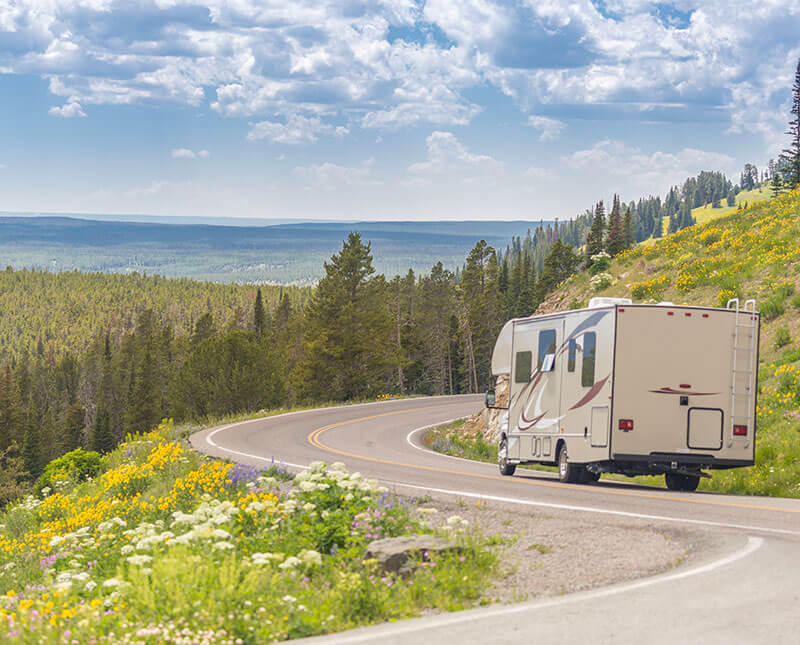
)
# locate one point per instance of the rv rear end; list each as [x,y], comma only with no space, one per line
[684,390]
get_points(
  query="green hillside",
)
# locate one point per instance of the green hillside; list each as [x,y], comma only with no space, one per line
[752,253]
[703,214]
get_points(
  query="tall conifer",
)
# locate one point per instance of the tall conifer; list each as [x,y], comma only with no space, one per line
[791,155]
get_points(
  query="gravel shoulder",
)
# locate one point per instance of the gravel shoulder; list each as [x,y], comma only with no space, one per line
[550,553]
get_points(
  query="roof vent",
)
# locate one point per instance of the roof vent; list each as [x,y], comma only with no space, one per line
[607,302]
[666,304]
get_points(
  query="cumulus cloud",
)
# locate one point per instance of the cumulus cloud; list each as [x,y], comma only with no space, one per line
[399,63]
[186,153]
[653,170]
[295,130]
[551,128]
[540,174]
[70,109]
[329,176]
[448,158]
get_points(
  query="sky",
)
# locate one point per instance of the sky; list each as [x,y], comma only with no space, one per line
[389,109]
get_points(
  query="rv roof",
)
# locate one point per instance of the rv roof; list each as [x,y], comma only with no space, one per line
[605,302]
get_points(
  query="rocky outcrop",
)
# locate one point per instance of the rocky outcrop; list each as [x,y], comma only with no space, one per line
[393,554]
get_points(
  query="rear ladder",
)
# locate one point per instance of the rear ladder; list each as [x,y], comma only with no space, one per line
[743,373]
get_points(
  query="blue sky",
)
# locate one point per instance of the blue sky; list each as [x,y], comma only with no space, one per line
[390,109]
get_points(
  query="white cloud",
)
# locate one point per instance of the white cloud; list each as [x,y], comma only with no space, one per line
[70,109]
[447,155]
[297,129]
[329,176]
[551,128]
[654,171]
[542,174]
[401,63]
[186,153]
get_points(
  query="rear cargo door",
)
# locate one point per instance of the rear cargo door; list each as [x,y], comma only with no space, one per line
[672,378]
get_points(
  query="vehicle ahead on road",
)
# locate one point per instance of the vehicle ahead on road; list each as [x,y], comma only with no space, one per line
[632,389]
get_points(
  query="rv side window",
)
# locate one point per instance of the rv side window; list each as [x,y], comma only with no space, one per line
[522,367]
[571,355]
[589,353]
[547,345]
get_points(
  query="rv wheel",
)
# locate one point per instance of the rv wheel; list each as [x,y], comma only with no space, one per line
[567,472]
[502,458]
[674,481]
[690,482]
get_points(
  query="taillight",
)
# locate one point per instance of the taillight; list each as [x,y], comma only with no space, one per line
[626,424]
[740,431]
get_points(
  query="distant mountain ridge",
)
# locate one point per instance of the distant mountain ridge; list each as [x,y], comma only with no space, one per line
[279,253]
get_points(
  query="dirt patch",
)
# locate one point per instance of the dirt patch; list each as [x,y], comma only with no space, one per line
[547,554]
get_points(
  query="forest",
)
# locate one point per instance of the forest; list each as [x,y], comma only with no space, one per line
[107,355]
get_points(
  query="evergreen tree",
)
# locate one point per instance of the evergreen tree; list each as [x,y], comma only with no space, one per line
[203,328]
[11,410]
[777,184]
[347,349]
[259,315]
[615,242]
[627,229]
[12,475]
[595,241]
[102,438]
[560,263]
[32,451]
[791,155]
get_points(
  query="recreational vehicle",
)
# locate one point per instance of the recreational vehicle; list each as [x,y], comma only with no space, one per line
[630,388]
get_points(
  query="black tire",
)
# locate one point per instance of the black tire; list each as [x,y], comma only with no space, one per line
[567,472]
[674,481]
[690,483]
[592,477]
[506,468]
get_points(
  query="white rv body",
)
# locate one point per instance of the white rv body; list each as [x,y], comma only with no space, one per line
[636,389]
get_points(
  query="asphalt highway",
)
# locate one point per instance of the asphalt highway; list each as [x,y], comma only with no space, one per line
[745,589]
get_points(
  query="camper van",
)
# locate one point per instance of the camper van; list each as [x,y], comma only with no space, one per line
[638,389]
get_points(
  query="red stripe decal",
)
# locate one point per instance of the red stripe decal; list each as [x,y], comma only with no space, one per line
[591,393]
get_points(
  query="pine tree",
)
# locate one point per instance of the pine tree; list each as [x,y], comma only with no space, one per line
[627,229]
[791,155]
[595,241]
[11,409]
[560,263]
[32,451]
[203,328]
[615,242]
[102,438]
[346,345]
[777,183]
[259,315]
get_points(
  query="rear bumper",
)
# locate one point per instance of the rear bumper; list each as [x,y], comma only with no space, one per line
[660,462]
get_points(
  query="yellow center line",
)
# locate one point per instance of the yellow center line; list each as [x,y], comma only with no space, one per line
[314,439]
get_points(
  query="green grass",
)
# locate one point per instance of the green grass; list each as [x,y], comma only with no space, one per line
[165,541]
[706,213]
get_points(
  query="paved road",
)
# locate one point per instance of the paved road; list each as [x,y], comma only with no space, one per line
[746,590]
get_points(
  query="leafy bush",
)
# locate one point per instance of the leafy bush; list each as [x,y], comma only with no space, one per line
[74,467]
[782,337]
[796,301]
[772,308]
[600,263]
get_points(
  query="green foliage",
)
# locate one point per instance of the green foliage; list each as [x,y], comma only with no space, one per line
[783,337]
[165,538]
[72,468]
[346,349]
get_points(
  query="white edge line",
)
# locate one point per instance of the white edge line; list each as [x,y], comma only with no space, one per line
[753,544]
[591,509]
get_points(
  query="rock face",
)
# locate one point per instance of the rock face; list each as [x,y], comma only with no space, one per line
[393,554]
[494,418]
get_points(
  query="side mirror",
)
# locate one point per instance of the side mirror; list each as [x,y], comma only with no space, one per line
[490,399]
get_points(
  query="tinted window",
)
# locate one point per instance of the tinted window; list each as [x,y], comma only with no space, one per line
[571,356]
[522,367]
[589,354]
[547,345]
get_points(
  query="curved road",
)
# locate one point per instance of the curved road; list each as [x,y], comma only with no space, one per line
[748,590]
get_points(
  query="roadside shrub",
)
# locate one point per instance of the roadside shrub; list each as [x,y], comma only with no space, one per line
[782,337]
[601,281]
[725,295]
[74,467]
[772,308]
[600,263]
